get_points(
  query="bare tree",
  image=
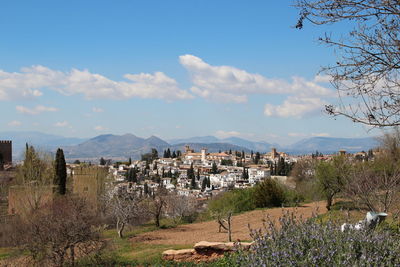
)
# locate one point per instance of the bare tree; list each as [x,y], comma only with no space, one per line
[374,185]
[127,208]
[156,204]
[222,210]
[53,233]
[366,74]
[178,207]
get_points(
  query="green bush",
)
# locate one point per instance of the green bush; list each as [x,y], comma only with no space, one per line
[269,193]
[239,200]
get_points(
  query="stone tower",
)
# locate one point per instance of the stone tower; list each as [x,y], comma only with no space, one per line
[6,151]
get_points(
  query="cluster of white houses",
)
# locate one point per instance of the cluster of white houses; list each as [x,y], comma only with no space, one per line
[172,173]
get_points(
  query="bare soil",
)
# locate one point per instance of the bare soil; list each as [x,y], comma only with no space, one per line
[190,234]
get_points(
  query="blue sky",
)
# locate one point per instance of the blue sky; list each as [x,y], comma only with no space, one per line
[168,68]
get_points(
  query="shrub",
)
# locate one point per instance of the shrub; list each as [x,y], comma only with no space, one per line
[315,244]
[269,193]
[239,200]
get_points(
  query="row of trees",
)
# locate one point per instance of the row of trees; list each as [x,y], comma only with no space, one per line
[372,184]
[133,208]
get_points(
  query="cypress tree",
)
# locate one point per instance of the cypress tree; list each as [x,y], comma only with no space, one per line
[203,184]
[214,168]
[60,178]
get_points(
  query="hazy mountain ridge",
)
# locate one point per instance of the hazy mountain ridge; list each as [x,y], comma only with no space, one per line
[41,141]
[237,141]
[129,145]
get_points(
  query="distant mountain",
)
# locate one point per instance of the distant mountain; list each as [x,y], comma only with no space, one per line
[197,139]
[211,147]
[250,145]
[121,147]
[115,146]
[42,141]
[331,145]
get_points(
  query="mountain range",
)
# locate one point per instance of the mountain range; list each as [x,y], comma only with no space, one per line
[120,147]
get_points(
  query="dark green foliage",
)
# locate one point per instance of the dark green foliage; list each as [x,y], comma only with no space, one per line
[227,162]
[146,189]
[257,158]
[77,161]
[60,178]
[204,184]
[245,173]
[131,175]
[214,168]
[192,177]
[102,161]
[269,193]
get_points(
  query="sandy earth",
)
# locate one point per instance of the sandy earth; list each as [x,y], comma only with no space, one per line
[208,231]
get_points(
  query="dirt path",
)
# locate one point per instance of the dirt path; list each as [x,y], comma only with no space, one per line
[208,231]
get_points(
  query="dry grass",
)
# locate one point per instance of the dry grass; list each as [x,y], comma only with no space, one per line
[192,233]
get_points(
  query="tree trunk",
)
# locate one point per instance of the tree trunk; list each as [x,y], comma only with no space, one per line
[157,219]
[120,228]
[229,227]
[329,200]
[72,250]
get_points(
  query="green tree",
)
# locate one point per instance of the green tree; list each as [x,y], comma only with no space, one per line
[154,154]
[131,175]
[191,176]
[245,174]
[60,179]
[146,190]
[214,168]
[257,158]
[204,184]
[268,194]
[331,176]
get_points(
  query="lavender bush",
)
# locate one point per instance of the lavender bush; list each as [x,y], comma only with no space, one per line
[312,243]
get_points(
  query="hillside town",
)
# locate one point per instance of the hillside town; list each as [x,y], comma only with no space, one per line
[202,174]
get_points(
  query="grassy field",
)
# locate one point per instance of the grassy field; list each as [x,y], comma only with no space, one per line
[143,245]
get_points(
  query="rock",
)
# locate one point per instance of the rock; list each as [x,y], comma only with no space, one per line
[204,251]
[178,255]
[220,247]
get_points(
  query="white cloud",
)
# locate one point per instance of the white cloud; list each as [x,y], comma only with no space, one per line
[14,123]
[36,110]
[62,124]
[232,84]
[321,134]
[295,106]
[100,128]
[97,110]
[30,81]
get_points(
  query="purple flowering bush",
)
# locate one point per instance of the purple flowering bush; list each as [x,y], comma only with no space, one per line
[312,243]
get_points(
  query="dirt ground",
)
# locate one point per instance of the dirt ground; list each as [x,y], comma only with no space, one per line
[208,231]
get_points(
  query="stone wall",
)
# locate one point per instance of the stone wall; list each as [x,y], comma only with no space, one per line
[89,183]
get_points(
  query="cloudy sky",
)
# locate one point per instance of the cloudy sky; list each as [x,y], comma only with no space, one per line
[168,68]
